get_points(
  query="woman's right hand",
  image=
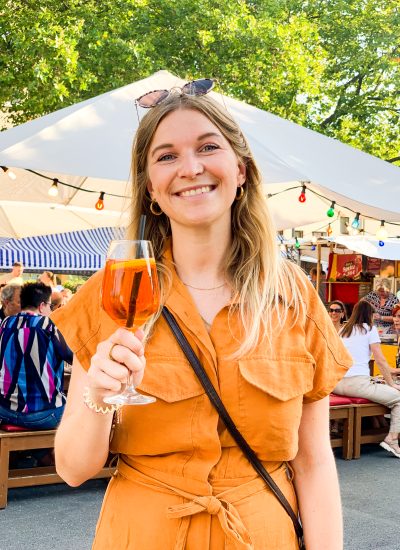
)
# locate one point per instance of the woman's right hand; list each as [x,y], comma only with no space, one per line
[122,352]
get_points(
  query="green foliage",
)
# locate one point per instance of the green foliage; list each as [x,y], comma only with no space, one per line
[330,65]
[73,282]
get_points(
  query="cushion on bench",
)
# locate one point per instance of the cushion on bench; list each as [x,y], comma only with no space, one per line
[336,400]
[13,428]
[361,401]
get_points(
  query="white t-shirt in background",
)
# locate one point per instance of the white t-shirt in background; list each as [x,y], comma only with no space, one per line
[357,345]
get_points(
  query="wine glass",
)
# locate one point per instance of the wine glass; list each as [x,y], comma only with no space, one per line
[130,296]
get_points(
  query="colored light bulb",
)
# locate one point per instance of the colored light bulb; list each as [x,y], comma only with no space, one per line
[355,224]
[331,212]
[100,203]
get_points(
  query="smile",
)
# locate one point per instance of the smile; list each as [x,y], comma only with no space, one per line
[197,191]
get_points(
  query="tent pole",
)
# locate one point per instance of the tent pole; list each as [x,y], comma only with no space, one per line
[318,267]
[329,282]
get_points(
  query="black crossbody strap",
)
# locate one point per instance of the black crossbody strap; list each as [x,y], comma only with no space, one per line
[230,425]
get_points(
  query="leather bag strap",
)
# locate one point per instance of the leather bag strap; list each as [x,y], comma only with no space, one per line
[230,425]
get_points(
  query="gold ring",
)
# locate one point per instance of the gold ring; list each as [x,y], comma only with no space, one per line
[110,355]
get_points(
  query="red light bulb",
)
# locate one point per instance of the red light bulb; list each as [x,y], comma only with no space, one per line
[302,196]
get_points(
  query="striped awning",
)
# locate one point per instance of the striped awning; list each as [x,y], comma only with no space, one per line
[75,251]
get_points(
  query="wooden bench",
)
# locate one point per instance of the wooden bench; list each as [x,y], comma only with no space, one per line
[341,408]
[40,475]
[364,408]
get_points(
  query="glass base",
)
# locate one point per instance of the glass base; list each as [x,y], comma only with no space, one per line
[129,397]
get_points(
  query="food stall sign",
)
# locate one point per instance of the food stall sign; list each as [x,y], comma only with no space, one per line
[348,266]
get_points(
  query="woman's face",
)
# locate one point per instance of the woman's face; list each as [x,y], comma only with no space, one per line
[335,312]
[396,320]
[382,291]
[192,169]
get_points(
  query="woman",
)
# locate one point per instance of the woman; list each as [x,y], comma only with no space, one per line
[361,339]
[396,330]
[256,325]
[383,301]
[337,313]
[49,279]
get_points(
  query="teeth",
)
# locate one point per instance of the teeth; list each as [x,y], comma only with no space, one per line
[198,191]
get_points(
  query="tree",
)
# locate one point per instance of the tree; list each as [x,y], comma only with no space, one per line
[330,65]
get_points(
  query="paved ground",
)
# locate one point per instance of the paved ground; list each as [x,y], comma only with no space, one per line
[60,518]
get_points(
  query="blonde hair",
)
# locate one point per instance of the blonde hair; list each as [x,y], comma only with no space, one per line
[261,280]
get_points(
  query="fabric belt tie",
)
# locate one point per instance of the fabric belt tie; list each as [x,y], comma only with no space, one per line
[227,514]
[219,505]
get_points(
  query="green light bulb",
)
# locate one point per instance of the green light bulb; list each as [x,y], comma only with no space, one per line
[330,213]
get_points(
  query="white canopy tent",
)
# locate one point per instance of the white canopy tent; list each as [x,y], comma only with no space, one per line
[370,246]
[88,145]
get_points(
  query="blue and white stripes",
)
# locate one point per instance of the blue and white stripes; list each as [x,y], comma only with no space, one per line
[72,251]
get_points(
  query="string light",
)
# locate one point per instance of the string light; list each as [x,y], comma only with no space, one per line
[53,191]
[310,190]
[382,233]
[100,203]
[313,247]
[329,230]
[77,188]
[9,172]
[355,224]
[331,212]
[297,244]
[381,243]
[302,196]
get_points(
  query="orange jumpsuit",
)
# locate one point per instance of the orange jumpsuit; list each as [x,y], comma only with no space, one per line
[181,482]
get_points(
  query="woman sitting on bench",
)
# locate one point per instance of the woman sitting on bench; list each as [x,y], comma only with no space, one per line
[361,339]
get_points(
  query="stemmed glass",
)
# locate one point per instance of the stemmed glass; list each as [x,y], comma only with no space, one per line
[130,296]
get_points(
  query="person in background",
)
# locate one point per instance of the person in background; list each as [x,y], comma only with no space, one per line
[395,329]
[337,314]
[361,338]
[48,278]
[15,277]
[383,301]
[57,300]
[10,300]
[322,282]
[257,326]
[32,355]
[66,295]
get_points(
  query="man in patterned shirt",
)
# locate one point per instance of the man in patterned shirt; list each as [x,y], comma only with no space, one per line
[32,355]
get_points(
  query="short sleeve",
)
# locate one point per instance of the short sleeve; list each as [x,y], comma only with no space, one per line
[330,357]
[373,336]
[83,322]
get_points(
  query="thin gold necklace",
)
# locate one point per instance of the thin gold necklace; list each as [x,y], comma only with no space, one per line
[211,288]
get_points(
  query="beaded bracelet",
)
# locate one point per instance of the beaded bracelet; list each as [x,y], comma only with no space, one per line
[98,408]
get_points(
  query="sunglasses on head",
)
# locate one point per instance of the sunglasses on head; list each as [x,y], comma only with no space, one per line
[335,310]
[196,87]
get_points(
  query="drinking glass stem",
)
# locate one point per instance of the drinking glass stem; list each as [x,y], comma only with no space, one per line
[129,383]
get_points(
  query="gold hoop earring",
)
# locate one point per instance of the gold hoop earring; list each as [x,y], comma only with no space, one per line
[239,193]
[153,210]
